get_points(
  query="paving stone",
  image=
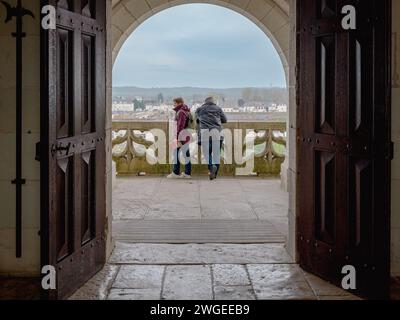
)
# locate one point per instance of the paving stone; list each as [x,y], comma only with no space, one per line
[265,208]
[124,209]
[139,277]
[347,297]
[234,293]
[134,294]
[176,196]
[175,187]
[323,288]
[279,281]
[230,275]
[226,210]
[187,283]
[135,188]
[173,211]
[255,183]
[223,192]
[97,287]
[134,253]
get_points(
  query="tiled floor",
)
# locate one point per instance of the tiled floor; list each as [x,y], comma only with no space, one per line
[205,272]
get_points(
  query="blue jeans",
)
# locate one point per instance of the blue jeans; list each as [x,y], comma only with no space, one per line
[177,162]
[213,157]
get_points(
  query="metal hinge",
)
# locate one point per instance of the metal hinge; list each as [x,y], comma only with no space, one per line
[59,148]
[390,151]
[297,87]
[38,152]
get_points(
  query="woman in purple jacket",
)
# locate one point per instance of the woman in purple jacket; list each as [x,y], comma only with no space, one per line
[182,118]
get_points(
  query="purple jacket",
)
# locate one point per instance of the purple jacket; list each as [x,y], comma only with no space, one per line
[181,118]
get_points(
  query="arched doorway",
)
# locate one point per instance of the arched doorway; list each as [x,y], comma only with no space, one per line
[209,213]
[272,17]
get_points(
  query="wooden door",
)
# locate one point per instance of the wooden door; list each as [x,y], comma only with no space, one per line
[344,142]
[73,143]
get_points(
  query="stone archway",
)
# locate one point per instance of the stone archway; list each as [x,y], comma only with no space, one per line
[271,16]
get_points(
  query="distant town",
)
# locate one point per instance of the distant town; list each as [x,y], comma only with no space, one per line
[247,104]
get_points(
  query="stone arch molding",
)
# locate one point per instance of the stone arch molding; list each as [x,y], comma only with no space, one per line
[271,16]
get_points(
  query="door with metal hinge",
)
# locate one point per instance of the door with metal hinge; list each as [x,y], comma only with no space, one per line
[344,142]
[73,143]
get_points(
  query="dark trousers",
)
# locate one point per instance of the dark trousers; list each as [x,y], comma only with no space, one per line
[177,162]
[213,157]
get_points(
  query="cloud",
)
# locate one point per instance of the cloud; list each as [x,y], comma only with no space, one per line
[198,45]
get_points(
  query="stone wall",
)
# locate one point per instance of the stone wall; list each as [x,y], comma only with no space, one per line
[110,176]
[29,264]
[395,224]
[291,176]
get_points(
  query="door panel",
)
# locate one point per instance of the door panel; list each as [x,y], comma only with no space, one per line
[64,207]
[88,216]
[88,90]
[73,150]
[343,138]
[65,83]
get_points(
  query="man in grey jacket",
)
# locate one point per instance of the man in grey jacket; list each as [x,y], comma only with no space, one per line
[209,119]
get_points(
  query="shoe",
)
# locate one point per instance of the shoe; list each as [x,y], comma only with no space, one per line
[173,176]
[213,173]
[186,176]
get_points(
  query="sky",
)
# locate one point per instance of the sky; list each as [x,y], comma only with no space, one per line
[198,45]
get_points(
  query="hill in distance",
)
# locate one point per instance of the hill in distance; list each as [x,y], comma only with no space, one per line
[276,94]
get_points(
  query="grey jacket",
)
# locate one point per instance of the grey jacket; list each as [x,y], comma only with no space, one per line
[210,116]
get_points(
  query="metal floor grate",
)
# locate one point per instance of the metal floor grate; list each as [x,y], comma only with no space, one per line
[196,231]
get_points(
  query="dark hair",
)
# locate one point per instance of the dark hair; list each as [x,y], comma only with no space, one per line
[179,100]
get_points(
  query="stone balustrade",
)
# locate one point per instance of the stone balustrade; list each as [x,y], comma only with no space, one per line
[136,150]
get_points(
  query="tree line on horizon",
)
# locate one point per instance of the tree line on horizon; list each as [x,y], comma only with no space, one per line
[195,95]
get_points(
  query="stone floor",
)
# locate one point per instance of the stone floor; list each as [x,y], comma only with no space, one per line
[205,272]
[138,271]
[209,271]
[19,288]
[157,198]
